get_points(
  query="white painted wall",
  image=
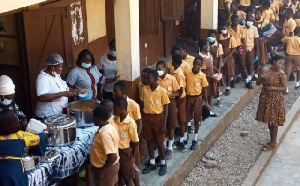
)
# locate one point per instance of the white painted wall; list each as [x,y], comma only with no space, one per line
[8,5]
[209,14]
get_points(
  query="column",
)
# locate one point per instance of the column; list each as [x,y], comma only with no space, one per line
[208,16]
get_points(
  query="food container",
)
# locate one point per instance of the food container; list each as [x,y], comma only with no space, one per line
[35,126]
[61,130]
[30,162]
[83,112]
[84,96]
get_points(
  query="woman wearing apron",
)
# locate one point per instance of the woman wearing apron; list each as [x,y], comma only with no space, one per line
[13,141]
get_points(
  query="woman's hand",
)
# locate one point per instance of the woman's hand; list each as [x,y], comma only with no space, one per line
[215,79]
[269,88]
[69,94]
[207,107]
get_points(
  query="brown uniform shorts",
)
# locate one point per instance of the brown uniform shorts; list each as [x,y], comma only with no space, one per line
[194,104]
[107,176]
[291,61]
[152,124]
[172,121]
[181,110]
[126,164]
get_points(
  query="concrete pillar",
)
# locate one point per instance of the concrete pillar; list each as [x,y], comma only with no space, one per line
[209,16]
[127,38]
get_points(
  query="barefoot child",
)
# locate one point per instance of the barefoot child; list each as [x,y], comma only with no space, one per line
[127,130]
[134,112]
[195,85]
[229,49]
[155,107]
[169,83]
[104,150]
[181,102]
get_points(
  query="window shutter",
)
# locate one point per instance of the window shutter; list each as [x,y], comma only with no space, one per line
[172,10]
[149,16]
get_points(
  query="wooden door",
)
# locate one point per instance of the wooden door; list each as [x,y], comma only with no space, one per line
[47,31]
[110,19]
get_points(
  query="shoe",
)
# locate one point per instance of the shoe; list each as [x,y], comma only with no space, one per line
[213,115]
[297,87]
[157,161]
[219,103]
[232,84]
[227,92]
[292,77]
[162,170]
[149,168]
[253,78]
[185,142]
[285,93]
[249,85]
[168,154]
[181,147]
[174,146]
[238,80]
[190,129]
[194,145]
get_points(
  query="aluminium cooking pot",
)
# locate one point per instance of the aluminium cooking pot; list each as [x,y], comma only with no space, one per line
[30,162]
[83,112]
[61,130]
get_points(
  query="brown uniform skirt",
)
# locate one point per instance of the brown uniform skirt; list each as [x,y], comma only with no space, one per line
[262,51]
[108,176]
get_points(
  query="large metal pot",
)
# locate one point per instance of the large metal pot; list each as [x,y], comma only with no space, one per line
[83,112]
[30,162]
[61,130]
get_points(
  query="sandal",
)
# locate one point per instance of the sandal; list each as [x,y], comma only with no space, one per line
[267,147]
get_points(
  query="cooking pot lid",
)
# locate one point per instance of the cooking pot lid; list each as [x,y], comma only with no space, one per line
[60,121]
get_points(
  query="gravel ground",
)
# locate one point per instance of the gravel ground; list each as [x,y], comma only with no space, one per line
[235,155]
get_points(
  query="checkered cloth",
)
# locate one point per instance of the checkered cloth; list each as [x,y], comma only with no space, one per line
[71,159]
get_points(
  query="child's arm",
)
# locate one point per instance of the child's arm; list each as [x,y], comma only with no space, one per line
[111,159]
[174,94]
[139,126]
[166,111]
[204,92]
[135,146]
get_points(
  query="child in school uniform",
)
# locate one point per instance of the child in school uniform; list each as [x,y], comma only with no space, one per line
[216,50]
[229,49]
[133,110]
[185,56]
[209,71]
[109,105]
[181,102]
[168,82]
[234,10]
[251,49]
[127,130]
[293,55]
[176,49]
[104,153]
[289,24]
[195,88]
[155,113]
[143,82]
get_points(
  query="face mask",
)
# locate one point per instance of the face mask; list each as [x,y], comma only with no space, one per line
[53,71]
[208,48]
[211,39]
[224,31]
[6,102]
[86,65]
[249,23]
[160,72]
[113,53]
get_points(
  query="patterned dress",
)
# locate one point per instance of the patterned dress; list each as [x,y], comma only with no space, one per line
[271,109]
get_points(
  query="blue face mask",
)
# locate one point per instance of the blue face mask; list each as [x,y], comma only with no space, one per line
[113,53]
[211,39]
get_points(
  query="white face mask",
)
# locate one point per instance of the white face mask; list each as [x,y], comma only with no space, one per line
[224,31]
[249,23]
[6,101]
[160,72]
[86,65]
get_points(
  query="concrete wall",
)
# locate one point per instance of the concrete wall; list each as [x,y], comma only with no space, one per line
[10,5]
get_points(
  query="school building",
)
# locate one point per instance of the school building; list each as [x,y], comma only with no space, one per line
[144,31]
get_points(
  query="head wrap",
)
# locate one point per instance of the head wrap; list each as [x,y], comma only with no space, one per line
[7,86]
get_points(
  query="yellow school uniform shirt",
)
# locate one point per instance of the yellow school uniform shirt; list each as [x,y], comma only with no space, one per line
[275,6]
[106,141]
[288,26]
[292,45]
[232,42]
[195,82]
[29,138]
[170,69]
[252,33]
[189,59]
[245,2]
[111,121]
[221,4]
[239,34]
[179,75]
[261,23]
[133,109]
[240,14]
[220,48]
[127,130]
[155,100]
[297,22]
[169,83]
